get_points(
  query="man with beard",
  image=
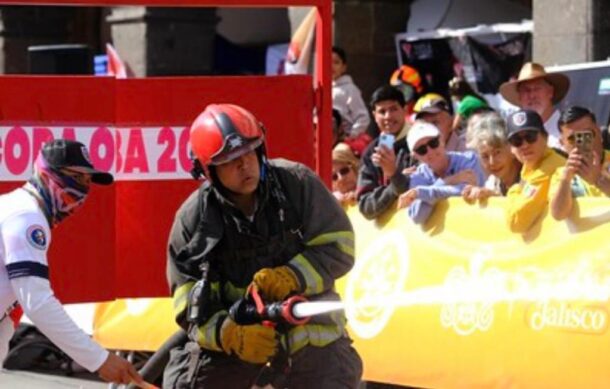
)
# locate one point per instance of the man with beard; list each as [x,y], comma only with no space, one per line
[539,91]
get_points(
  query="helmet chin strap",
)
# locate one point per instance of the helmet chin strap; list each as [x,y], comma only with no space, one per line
[197,171]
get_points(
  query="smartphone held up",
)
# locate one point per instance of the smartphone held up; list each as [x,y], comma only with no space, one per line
[386,140]
[583,141]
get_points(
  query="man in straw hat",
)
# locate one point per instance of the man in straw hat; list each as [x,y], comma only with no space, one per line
[539,91]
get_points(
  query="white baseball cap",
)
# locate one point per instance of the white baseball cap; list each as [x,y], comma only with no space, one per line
[420,130]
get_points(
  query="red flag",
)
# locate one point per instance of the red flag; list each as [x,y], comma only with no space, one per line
[116,66]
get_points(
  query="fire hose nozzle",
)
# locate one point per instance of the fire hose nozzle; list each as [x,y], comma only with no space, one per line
[284,310]
[252,310]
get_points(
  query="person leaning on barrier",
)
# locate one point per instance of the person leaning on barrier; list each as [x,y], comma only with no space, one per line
[527,199]
[487,135]
[268,225]
[586,172]
[59,186]
[440,173]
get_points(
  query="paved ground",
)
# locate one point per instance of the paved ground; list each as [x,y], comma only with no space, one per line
[28,380]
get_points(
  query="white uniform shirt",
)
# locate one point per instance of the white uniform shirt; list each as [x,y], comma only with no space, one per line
[24,277]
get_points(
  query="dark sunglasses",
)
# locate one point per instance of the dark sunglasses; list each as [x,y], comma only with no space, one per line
[529,136]
[432,143]
[344,171]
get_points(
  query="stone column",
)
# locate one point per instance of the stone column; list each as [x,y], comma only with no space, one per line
[164,41]
[366,29]
[24,26]
[571,31]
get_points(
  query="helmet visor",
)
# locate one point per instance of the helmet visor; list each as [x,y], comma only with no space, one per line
[230,152]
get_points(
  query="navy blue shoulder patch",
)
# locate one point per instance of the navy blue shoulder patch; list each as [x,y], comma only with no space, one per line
[36,237]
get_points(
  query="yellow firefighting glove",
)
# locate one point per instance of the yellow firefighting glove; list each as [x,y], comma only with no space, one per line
[275,284]
[253,343]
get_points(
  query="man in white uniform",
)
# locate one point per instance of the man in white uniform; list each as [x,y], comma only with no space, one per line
[59,185]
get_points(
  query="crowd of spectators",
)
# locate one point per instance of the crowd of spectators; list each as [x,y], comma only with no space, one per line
[538,157]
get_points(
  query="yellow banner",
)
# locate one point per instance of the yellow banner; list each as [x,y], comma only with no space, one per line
[462,302]
[134,324]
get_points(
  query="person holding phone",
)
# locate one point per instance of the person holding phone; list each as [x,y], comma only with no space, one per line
[586,171]
[381,179]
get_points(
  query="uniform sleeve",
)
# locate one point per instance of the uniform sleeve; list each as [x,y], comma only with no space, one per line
[183,271]
[40,305]
[328,237]
[181,274]
[178,276]
[374,198]
[26,239]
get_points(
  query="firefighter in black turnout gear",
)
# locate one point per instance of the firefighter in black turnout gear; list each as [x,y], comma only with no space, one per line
[255,223]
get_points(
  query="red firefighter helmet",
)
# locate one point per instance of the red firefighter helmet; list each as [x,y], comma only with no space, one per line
[223,132]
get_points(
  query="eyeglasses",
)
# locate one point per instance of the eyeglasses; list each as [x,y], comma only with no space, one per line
[529,136]
[423,149]
[344,171]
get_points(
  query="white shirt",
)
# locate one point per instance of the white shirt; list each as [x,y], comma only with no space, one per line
[24,276]
[347,99]
[551,127]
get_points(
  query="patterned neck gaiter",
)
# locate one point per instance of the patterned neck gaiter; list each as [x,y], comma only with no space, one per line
[62,195]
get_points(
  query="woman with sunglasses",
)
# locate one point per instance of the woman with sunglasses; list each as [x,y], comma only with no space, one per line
[345,174]
[487,135]
[528,140]
[440,174]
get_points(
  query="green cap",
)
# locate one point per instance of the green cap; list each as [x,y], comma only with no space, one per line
[468,105]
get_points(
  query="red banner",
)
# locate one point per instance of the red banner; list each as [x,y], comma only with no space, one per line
[136,128]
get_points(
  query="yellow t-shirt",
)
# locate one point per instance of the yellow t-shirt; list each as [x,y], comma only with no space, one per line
[580,187]
[528,198]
